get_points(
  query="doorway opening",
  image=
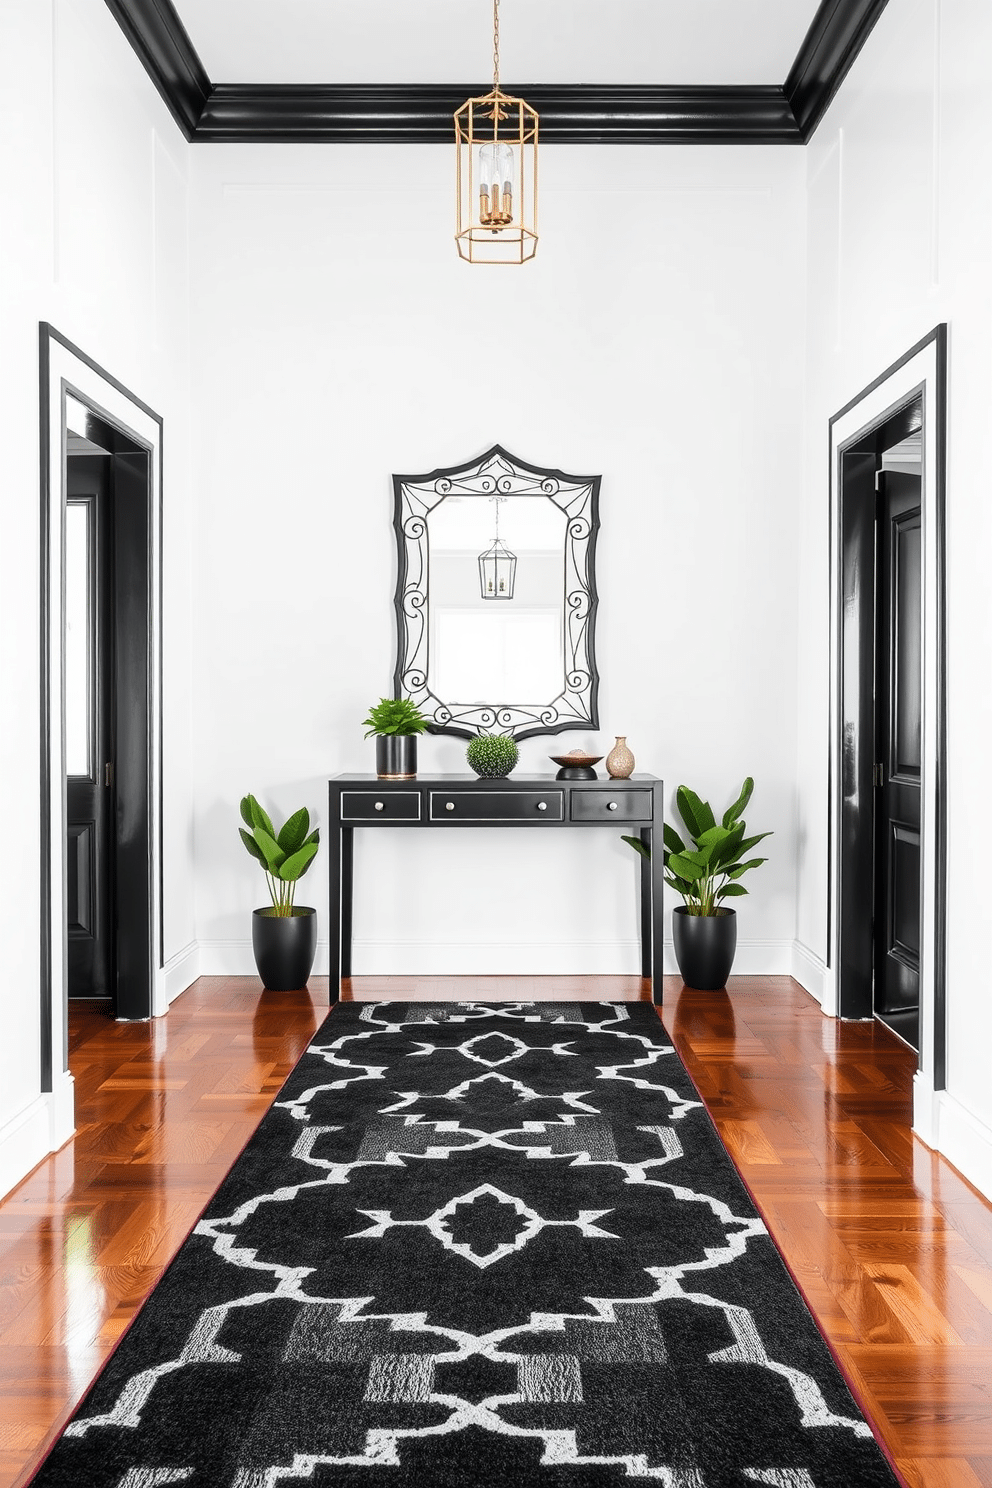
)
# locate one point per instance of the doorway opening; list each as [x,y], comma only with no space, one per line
[107,622]
[886,912]
[881,485]
[101,712]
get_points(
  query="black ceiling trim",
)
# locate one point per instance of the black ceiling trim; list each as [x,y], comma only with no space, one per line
[159,38]
[840,29]
[423,114]
[580,114]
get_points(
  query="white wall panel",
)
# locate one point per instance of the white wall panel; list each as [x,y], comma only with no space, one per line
[25,265]
[656,339]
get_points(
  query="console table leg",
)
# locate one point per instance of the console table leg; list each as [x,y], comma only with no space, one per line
[657,915]
[347,896]
[334,902]
[645,836]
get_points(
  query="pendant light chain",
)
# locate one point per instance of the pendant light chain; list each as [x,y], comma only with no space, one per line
[496,174]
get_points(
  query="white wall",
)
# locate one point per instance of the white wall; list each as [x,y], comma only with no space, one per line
[899,217]
[93,238]
[657,339]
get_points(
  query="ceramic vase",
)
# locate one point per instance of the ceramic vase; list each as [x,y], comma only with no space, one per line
[620,761]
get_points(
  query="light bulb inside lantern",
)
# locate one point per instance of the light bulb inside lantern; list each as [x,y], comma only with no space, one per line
[495,185]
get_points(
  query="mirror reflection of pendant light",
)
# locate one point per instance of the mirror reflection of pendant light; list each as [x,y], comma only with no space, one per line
[497,565]
[496,162]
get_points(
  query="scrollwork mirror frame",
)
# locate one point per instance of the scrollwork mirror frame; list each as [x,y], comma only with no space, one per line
[497,472]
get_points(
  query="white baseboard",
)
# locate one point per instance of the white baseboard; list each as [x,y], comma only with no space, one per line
[236,958]
[497,958]
[24,1140]
[812,974]
[950,1128]
[178,973]
[752,958]
[61,1110]
[926,1110]
[435,958]
[42,1127]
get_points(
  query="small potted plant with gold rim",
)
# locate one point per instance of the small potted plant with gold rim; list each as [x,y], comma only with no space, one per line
[395,724]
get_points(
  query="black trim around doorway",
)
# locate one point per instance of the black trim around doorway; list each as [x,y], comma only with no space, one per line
[47,335]
[585,113]
[940,764]
[44,572]
[937,337]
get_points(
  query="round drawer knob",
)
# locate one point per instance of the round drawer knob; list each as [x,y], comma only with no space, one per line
[542,805]
[379,805]
[449,805]
[611,806]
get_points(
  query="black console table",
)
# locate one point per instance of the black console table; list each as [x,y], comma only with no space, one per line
[442,802]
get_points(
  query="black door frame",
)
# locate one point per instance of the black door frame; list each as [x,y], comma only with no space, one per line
[922,374]
[66,372]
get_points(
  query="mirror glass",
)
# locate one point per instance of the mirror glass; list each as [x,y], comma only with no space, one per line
[495,599]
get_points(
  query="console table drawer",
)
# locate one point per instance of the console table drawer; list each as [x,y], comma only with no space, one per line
[380,806]
[496,806]
[611,805]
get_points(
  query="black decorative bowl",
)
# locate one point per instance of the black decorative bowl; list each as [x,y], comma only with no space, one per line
[576,765]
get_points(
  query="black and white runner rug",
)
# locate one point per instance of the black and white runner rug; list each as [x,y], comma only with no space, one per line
[476,1244]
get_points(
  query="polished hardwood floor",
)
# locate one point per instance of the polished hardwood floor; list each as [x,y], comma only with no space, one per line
[892,1248]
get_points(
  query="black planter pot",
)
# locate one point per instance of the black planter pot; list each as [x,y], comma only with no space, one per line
[284,947]
[704,947]
[396,756]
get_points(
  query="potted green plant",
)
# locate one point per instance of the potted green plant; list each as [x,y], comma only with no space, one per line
[704,928]
[284,934]
[395,723]
[492,756]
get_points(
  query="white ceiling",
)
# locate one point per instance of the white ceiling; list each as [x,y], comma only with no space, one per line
[678,42]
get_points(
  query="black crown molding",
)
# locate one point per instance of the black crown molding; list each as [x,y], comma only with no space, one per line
[579,114]
[168,56]
[569,115]
[840,29]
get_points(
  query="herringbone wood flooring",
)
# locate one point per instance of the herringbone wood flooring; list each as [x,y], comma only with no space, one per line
[892,1248]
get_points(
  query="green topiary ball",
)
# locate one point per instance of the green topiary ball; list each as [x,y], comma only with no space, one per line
[492,755]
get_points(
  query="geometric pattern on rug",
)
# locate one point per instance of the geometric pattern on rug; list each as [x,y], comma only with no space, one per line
[476,1243]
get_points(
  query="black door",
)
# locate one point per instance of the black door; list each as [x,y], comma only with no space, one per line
[89,724]
[898,752]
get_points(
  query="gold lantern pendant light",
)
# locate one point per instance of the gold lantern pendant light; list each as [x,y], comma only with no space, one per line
[497,565]
[496,141]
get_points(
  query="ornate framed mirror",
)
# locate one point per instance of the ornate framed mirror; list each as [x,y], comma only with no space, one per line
[496,597]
